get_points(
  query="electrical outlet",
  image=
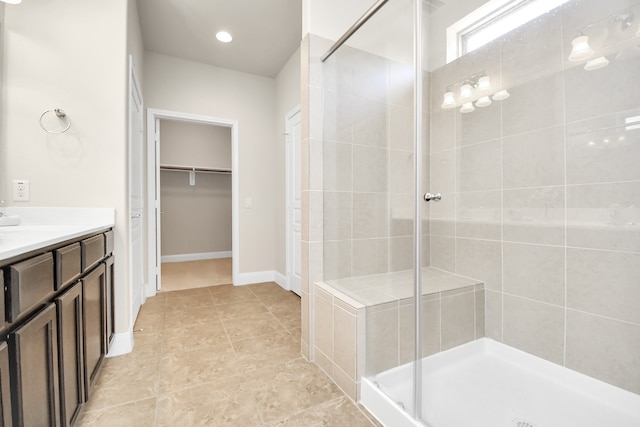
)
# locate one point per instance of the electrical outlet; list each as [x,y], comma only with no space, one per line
[20,190]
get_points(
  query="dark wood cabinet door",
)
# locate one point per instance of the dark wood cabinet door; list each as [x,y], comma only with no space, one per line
[34,371]
[5,390]
[71,353]
[110,332]
[94,295]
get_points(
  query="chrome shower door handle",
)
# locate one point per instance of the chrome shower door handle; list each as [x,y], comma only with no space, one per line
[435,197]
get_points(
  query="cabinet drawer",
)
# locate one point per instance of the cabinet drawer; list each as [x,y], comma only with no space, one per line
[108,240]
[92,251]
[30,283]
[3,319]
[68,264]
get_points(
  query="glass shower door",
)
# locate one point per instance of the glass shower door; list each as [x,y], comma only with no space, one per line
[370,193]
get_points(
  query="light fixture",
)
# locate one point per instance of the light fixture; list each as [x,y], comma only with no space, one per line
[581,49]
[597,63]
[465,92]
[224,36]
[501,95]
[11,1]
[449,101]
[467,108]
[485,101]
[484,84]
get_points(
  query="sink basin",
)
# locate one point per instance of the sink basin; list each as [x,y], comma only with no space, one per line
[9,220]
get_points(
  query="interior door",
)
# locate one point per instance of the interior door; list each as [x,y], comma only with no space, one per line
[136,201]
[294,203]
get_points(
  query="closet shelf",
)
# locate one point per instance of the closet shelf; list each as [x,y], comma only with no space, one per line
[194,169]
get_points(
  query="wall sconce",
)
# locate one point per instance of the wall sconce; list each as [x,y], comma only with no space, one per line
[475,89]
[466,92]
[484,84]
[467,108]
[581,49]
[596,64]
[501,95]
[449,101]
[485,101]
[613,29]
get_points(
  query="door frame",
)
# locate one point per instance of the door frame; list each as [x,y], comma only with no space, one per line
[135,92]
[289,190]
[153,188]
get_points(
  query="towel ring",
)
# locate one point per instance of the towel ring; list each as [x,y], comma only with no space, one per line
[61,115]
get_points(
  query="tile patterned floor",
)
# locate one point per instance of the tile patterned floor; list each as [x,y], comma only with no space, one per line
[177,276]
[219,356]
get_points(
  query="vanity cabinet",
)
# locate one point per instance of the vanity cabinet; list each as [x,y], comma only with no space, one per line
[94,291]
[5,390]
[56,330]
[71,351]
[33,349]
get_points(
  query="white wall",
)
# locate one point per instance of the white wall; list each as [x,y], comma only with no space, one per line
[2,167]
[331,18]
[190,87]
[195,144]
[70,55]
[135,46]
[287,98]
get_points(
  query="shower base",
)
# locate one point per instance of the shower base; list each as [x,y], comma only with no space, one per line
[487,384]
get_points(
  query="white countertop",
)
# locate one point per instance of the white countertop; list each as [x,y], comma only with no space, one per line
[41,227]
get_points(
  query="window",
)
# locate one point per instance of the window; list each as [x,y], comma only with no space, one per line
[492,20]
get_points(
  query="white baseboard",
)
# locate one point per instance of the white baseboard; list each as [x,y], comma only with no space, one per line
[149,290]
[196,257]
[260,277]
[122,344]
[281,280]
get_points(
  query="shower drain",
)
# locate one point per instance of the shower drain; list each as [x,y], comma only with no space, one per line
[518,422]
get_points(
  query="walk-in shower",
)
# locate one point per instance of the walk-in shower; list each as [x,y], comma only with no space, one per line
[511,297]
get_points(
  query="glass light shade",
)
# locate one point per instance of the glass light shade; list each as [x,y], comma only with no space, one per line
[500,95]
[466,92]
[449,101]
[594,64]
[485,101]
[581,49]
[467,108]
[484,84]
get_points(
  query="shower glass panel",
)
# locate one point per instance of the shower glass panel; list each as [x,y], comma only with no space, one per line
[534,146]
[531,251]
[369,191]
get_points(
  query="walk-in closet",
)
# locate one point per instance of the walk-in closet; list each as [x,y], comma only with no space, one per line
[195,204]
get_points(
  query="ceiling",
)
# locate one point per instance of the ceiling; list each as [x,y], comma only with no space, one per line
[265,32]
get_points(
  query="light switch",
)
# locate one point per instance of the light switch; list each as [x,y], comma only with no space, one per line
[248,203]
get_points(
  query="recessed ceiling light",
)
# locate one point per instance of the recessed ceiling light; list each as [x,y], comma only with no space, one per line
[224,37]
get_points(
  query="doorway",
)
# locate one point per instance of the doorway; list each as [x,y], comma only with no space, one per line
[195,192]
[191,174]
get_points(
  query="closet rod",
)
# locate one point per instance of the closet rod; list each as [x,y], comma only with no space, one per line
[193,169]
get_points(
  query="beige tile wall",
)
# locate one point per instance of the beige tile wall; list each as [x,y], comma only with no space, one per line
[541,194]
[353,340]
[540,199]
